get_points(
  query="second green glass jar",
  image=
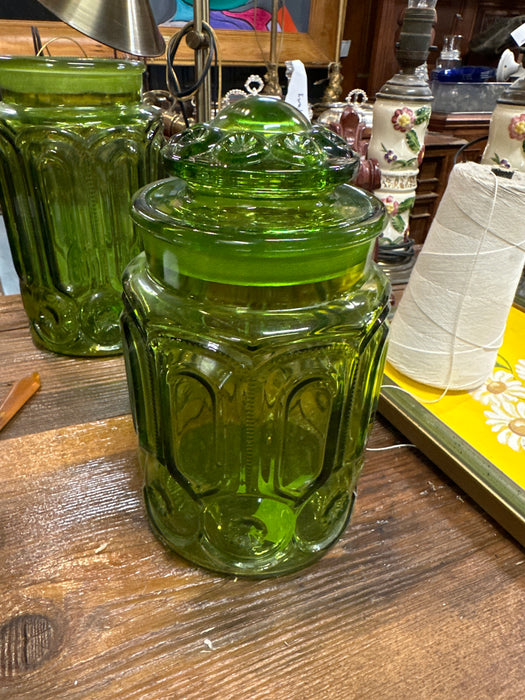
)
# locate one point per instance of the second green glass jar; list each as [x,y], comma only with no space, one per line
[75,144]
[254,334]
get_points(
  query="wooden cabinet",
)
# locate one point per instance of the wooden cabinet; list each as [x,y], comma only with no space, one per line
[372,27]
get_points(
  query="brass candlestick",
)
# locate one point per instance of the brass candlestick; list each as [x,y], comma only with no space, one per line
[334,88]
[271,77]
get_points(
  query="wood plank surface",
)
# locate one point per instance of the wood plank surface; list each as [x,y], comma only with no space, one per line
[423,597]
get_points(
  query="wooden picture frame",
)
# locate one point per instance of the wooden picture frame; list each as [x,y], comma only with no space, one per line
[317,47]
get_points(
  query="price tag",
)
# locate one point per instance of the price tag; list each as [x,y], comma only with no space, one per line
[345,48]
[519,35]
[297,94]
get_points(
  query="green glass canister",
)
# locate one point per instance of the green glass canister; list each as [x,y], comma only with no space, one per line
[75,144]
[254,329]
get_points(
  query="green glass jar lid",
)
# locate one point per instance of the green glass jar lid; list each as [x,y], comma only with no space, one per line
[70,76]
[261,145]
[262,198]
[251,242]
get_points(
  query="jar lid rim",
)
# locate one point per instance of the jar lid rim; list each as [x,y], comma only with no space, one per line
[189,232]
[69,75]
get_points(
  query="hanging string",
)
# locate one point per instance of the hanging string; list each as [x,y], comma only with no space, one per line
[447,330]
[45,47]
[185,94]
[218,69]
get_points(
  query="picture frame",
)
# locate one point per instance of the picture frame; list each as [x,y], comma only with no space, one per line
[317,47]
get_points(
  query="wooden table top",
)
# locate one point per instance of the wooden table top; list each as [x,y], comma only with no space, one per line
[423,597]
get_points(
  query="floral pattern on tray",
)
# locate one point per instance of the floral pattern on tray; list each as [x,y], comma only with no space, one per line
[504,395]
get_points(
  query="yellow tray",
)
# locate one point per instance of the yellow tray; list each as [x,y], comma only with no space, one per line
[477,438]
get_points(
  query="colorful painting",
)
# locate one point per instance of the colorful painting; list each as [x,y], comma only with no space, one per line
[255,15]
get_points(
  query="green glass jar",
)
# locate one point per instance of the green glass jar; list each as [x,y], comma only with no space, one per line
[254,331]
[75,144]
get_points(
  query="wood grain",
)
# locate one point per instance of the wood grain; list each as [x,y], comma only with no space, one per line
[422,597]
[26,641]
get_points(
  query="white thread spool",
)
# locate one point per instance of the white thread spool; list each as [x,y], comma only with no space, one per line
[449,324]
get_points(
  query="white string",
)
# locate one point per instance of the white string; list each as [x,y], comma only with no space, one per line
[454,336]
[390,447]
[439,338]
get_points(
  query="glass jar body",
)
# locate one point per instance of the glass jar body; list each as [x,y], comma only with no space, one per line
[75,144]
[252,406]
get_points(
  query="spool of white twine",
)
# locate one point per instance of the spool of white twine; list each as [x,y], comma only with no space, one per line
[449,325]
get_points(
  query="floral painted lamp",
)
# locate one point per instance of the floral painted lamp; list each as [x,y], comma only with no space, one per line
[506,143]
[400,121]
[397,143]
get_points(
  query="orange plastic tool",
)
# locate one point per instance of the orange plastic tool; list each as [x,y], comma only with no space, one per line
[20,392]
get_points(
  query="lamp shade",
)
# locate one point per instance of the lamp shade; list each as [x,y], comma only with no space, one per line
[126,25]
